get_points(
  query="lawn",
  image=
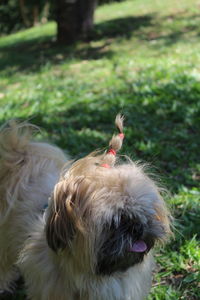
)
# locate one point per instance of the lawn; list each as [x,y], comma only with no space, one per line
[143,61]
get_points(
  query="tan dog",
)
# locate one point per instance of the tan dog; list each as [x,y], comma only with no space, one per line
[94,241]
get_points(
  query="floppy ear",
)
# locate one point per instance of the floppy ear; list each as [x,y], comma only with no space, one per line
[60,226]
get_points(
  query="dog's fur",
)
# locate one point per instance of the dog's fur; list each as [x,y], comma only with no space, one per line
[80,247]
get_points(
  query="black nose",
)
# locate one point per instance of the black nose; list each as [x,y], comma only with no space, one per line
[119,236]
[138,230]
[131,226]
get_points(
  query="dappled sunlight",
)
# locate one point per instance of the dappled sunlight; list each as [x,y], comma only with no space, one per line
[143,60]
[36,47]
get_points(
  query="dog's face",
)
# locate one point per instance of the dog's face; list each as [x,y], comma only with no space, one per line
[107,220]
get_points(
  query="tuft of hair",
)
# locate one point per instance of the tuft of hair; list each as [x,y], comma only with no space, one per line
[90,164]
[115,143]
[14,139]
[119,120]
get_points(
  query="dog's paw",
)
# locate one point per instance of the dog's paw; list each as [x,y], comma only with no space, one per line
[8,279]
[5,295]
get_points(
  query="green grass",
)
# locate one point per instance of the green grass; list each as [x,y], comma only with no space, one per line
[143,61]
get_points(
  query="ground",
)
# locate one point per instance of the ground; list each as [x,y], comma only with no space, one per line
[143,61]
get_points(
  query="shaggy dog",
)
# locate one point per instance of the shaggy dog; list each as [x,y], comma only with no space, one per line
[94,240]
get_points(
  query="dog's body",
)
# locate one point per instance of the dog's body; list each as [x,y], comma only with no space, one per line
[94,240]
[28,173]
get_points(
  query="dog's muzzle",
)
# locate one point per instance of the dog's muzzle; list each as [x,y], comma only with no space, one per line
[125,244]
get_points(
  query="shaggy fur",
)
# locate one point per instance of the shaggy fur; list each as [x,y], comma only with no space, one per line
[83,246]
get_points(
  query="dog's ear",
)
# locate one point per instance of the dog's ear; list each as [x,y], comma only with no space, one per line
[60,226]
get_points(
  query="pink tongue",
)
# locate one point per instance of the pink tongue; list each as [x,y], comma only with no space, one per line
[138,246]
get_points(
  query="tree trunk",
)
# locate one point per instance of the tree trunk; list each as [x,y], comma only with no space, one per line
[35,11]
[23,11]
[74,19]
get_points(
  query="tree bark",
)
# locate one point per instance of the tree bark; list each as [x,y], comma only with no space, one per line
[23,11]
[35,11]
[74,19]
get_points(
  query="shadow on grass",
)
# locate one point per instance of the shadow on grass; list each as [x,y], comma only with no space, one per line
[122,27]
[32,54]
[162,126]
[183,269]
[170,29]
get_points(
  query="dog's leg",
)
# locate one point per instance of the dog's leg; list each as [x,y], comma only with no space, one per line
[8,271]
[8,277]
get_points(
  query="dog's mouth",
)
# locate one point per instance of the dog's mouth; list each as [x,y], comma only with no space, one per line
[112,259]
[124,246]
[120,262]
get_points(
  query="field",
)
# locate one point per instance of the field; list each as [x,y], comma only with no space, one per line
[143,61]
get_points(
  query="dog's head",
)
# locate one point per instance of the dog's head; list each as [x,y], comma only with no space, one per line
[106,217]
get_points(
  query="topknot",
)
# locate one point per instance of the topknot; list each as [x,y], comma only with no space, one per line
[115,143]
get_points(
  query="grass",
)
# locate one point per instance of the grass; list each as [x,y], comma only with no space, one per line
[144,61]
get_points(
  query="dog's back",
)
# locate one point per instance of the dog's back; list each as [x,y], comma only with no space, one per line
[28,173]
[24,165]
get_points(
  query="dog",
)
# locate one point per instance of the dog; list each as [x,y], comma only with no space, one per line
[82,230]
